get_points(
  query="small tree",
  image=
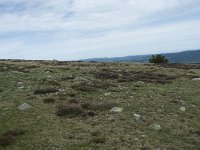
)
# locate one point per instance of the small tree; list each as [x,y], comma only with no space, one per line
[158,59]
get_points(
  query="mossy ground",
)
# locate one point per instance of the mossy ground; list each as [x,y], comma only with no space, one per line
[155,92]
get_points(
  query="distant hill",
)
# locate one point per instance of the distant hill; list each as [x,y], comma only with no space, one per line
[185,57]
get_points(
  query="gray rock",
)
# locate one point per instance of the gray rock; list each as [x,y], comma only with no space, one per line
[107,94]
[182,108]
[116,110]
[182,102]
[196,79]
[138,118]
[140,82]
[24,106]
[155,126]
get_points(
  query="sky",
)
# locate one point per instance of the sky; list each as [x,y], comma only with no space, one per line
[78,29]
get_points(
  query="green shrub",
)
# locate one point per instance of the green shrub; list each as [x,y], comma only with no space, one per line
[158,59]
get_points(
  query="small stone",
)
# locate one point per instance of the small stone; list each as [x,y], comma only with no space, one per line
[116,109]
[107,94]
[159,110]
[21,67]
[21,87]
[196,79]
[182,108]
[20,83]
[154,126]
[140,82]
[24,106]
[138,118]
[143,136]
[182,102]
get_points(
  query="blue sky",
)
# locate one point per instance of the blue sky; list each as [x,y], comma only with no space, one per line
[76,29]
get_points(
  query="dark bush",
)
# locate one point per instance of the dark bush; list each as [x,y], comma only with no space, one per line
[9,137]
[158,59]
[49,100]
[69,111]
[46,91]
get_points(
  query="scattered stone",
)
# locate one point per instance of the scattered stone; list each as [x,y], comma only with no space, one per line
[131,97]
[196,79]
[159,110]
[182,102]
[182,108]
[143,136]
[20,83]
[107,94]
[24,106]
[21,87]
[116,110]
[140,82]
[155,126]
[21,67]
[138,118]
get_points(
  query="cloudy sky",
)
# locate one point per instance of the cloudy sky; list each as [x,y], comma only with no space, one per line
[75,29]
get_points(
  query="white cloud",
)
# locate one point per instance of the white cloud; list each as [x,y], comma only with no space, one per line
[67,28]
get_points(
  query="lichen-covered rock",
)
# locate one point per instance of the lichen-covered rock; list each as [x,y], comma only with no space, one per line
[116,110]
[24,106]
[196,79]
[155,126]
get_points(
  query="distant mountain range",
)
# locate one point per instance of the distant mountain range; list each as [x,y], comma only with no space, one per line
[185,57]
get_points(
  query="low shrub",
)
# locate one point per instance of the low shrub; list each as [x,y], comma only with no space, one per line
[158,59]
[69,111]
[9,137]
[46,91]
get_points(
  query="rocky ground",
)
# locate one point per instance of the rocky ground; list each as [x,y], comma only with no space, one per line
[81,105]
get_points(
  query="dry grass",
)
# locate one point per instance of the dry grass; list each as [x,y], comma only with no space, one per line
[91,86]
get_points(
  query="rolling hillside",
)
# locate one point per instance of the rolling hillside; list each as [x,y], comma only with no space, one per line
[185,57]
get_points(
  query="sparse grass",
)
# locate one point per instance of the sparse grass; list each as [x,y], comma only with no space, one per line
[91,86]
[77,116]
